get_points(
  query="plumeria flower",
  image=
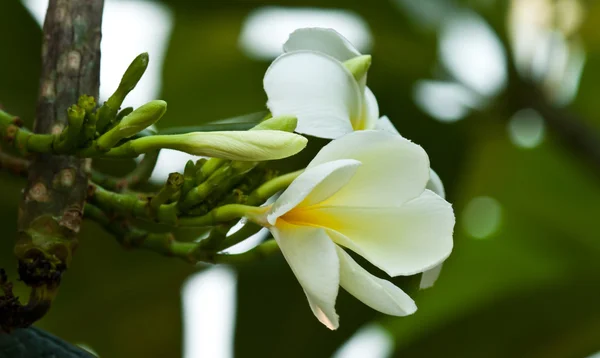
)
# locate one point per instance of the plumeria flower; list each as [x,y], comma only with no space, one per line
[311,81]
[364,192]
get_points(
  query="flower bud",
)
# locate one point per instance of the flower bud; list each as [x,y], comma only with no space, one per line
[358,66]
[139,119]
[134,73]
[233,145]
[281,123]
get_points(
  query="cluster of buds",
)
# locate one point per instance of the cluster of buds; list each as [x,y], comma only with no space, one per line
[109,131]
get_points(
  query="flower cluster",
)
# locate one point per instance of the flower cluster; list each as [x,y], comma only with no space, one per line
[369,191]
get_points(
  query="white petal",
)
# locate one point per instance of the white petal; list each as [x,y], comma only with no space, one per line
[376,293]
[393,171]
[327,41]
[402,240]
[315,88]
[313,186]
[312,257]
[435,184]
[384,124]
[370,112]
[430,276]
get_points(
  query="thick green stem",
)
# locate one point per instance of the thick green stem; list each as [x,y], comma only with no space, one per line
[272,187]
[22,140]
[131,206]
[173,185]
[166,244]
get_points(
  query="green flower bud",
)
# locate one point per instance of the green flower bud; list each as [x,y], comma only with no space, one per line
[282,123]
[358,66]
[131,124]
[134,73]
[233,145]
[88,103]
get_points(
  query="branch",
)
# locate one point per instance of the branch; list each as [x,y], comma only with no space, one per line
[52,206]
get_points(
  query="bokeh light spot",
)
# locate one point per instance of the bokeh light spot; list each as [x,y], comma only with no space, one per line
[482,217]
[526,128]
[444,101]
[471,51]
[209,309]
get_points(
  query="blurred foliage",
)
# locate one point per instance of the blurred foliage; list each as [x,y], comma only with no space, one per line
[529,290]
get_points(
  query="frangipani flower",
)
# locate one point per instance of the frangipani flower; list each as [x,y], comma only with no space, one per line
[311,82]
[365,192]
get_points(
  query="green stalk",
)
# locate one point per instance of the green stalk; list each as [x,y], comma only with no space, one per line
[166,244]
[135,178]
[272,187]
[131,206]
[172,186]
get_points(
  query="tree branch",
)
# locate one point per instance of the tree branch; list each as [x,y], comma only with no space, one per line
[51,210]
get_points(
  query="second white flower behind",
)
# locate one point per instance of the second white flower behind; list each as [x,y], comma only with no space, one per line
[364,192]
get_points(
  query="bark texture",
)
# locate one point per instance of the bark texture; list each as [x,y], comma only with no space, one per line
[51,209]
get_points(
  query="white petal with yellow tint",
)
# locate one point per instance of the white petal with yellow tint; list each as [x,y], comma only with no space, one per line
[376,293]
[402,240]
[313,258]
[315,88]
[393,171]
[313,186]
[370,114]
[327,41]
[435,183]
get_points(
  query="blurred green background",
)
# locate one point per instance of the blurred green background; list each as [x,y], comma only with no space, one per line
[524,277]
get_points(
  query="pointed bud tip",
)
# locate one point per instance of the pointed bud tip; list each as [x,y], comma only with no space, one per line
[358,66]
[142,117]
[284,123]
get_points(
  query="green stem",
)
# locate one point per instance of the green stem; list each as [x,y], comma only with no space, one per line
[197,194]
[135,178]
[272,187]
[171,187]
[166,244]
[70,137]
[131,206]
[222,214]
[22,140]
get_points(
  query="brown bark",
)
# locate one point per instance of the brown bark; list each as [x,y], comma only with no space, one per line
[51,210]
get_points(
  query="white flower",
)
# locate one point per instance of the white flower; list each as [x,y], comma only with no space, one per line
[311,82]
[365,192]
